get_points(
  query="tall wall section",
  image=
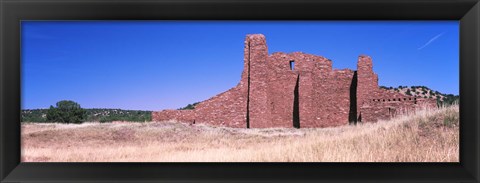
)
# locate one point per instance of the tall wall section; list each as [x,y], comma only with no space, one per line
[256,53]
[329,95]
[367,84]
[282,82]
[304,91]
[340,98]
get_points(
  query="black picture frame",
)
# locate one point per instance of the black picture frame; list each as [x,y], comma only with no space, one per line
[12,12]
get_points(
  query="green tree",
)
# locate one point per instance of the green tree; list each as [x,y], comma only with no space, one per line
[66,111]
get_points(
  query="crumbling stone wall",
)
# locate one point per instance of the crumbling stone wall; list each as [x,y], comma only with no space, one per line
[297,90]
[226,109]
[385,104]
[178,115]
[374,103]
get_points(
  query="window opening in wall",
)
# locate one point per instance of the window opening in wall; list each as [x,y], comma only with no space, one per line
[292,65]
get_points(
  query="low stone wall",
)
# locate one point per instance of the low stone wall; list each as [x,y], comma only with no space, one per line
[226,109]
[385,104]
[178,115]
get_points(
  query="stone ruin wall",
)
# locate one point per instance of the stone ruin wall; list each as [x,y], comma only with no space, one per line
[385,104]
[177,115]
[311,94]
[225,109]
[323,93]
[375,103]
[256,54]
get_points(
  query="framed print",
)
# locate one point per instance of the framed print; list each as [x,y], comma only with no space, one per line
[140,92]
[247,91]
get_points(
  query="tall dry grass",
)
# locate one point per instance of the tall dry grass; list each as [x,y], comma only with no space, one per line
[423,136]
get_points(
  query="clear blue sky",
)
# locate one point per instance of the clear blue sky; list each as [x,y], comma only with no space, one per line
[154,65]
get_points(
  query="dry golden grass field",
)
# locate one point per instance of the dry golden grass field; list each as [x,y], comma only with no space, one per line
[426,136]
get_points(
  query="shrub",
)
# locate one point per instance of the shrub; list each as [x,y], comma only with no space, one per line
[66,111]
[34,115]
[408,92]
[189,106]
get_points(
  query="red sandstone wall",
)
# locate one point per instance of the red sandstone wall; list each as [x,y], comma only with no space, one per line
[367,83]
[374,103]
[317,90]
[305,65]
[178,115]
[385,104]
[225,109]
[266,93]
[330,99]
[256,54]
[280,98]
[339,98]
[330,95]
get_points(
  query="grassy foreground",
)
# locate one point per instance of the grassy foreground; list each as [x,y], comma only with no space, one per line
[426,136]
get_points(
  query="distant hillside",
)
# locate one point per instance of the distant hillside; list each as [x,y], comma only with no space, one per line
[425,92]
[99,115]
[189,106]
